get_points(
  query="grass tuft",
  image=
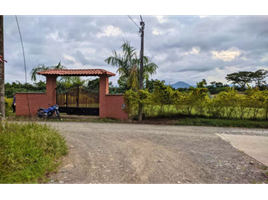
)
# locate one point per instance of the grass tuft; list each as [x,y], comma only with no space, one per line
[28,151]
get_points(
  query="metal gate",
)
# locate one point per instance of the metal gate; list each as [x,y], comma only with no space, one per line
[78,101]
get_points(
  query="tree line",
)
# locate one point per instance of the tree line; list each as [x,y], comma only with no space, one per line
[164,101]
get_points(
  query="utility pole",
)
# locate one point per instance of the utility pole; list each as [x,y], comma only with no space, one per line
[142,52]
[141,63]
[2,70]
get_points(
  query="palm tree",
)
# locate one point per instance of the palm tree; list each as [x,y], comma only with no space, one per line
[128,66]
[39,68]
[71,81]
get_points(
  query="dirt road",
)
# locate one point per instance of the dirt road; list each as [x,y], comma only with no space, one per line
[131,153]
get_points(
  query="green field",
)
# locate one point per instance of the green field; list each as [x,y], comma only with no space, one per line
[152,111]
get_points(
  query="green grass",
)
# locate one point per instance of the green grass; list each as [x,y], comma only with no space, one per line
[170,110]
[222,122]
[64,119]
[263,167]
[28,151]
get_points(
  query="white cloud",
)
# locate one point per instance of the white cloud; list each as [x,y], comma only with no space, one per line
[69,57]
[109,31]
[203,16]
[161,19]
[194,51]
[157,32]
[227,55]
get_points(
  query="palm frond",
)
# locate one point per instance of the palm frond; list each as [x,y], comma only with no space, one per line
[34,71]
[128,65]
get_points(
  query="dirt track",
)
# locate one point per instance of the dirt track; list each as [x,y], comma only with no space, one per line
[130,153]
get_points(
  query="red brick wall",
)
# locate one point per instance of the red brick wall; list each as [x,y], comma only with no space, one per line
[114,104]
[51,89]
[110,105]
[104,89]
[35,100]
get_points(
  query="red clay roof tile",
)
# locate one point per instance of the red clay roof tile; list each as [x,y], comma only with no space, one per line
[76,72]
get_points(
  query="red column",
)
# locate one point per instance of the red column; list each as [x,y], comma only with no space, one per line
[51,89]
[104,89]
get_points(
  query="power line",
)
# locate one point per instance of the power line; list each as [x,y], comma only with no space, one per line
[25,69]
[133,21]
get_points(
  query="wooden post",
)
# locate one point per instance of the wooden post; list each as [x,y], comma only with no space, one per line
[141,64]
[2,70]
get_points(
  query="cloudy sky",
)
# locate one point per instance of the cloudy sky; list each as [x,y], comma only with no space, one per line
[186,48]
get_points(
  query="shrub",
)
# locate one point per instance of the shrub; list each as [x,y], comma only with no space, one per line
[164,102]
[8,106]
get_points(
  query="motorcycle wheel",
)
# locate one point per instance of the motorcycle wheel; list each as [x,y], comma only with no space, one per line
[59,116]
[39,117]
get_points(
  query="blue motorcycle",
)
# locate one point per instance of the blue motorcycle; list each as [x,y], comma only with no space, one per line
[51,112]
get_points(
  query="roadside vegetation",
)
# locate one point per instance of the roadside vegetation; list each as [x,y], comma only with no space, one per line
[8,106]
[164,102]
[28,152]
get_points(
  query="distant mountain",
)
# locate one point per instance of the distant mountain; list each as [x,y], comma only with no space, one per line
[180,84]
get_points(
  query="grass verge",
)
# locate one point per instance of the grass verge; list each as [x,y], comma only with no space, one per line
[167,120]
[222,122]
[64,119]
[28,152]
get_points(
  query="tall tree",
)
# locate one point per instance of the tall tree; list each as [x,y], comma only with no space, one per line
[94,85]
[66,82]
[241,78]
[201,84]
[213,83]
[259,76]
[128,66]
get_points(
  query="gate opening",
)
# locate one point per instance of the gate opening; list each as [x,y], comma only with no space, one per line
[78,100]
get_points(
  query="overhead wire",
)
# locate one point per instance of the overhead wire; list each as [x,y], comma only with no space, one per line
[133,21]
[25,68]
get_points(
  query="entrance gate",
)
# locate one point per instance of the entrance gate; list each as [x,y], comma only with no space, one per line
[78,100]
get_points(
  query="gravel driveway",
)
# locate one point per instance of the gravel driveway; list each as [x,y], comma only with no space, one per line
[131,153]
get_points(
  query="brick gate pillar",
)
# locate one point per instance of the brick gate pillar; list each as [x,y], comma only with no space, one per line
[51,89]
[104,89]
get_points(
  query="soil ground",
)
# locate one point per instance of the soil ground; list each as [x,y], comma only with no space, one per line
[136,153]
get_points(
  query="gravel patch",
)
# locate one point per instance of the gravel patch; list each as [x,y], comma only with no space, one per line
[131,153]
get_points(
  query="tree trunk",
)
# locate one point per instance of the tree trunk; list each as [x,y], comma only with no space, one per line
[2,71]
[140,112]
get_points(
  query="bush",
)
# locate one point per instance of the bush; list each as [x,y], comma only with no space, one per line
[166,102]
[28,151]
[8,106]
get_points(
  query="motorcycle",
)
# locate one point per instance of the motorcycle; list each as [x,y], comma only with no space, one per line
[48,113]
